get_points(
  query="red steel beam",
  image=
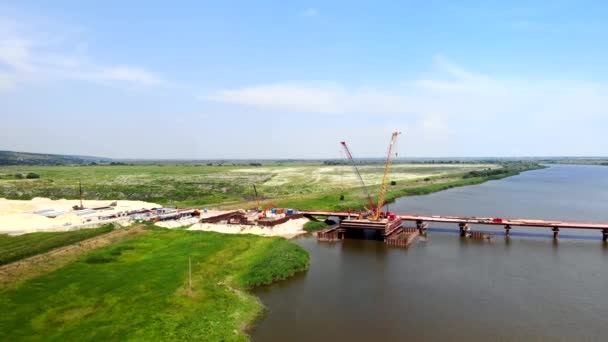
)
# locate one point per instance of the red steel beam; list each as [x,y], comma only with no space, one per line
[479,220]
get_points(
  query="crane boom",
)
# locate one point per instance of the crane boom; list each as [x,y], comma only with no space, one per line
[387,167]
[352,160]
[257,199]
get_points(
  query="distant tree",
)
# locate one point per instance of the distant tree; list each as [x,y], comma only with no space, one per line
[19,175]
[393,183]
[427,179]
[342,197]
[209,164]
[32,175]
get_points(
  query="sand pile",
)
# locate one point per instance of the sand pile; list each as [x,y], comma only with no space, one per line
[188,221]
[14,218]
[288,229]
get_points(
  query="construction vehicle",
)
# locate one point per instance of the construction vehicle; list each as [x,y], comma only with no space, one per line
[384,183]
[268,206]
[376,208]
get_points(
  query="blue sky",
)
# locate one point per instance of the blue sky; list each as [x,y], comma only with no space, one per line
[275,79]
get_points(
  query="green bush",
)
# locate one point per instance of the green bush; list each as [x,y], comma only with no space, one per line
[312,226]
[32,175]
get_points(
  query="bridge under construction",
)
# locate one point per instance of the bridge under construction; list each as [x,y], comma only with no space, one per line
[391,225]
[394,231]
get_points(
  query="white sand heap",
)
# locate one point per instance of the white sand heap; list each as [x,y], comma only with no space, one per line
[188,221]
[16,216]
[289,229]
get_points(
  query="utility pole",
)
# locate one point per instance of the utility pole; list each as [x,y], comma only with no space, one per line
[190,273]
[80,190]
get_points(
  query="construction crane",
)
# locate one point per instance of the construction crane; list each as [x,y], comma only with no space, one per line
[372,206]
[387,167]
[257,198]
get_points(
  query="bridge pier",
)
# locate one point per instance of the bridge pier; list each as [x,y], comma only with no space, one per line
[555,232]
[508,230]
[464,229]
[605,235]
[422,226]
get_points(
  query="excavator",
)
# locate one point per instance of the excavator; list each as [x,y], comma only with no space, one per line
[258,205]
[266,208]
[375,209]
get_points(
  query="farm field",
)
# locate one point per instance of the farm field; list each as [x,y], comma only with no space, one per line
[192,185]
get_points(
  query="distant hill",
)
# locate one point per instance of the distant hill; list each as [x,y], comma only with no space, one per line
[24,158]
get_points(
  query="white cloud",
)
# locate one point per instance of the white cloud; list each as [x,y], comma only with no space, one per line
[310,12]
[130,75]
[315,98]
[27,54]
[440,109]
[455,91]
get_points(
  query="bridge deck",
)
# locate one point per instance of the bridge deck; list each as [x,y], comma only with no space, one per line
[478,220]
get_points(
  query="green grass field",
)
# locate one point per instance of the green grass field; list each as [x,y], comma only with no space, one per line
[192,185]
[139,289]
[13,248]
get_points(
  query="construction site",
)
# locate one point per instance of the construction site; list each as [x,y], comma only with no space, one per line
[374,221]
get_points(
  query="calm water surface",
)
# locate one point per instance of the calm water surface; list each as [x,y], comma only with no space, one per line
[444,287]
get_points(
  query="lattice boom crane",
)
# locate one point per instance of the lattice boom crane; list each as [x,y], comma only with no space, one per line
[352,160]
[387,167]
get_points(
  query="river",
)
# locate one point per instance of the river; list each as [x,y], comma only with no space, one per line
[444,287]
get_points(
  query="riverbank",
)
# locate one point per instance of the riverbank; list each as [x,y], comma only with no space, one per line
[355,199]
[140,288]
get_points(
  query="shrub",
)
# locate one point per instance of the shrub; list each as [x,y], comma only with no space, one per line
[312,226]
[32,175]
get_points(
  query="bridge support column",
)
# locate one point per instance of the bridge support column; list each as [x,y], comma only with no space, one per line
[555,232]
[464,229]
[508,230]
[422,227]
[605,235]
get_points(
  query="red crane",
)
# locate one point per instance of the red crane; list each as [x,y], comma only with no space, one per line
[352,160]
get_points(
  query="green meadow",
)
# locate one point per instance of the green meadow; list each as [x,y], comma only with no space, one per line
[290,184]
[161,285]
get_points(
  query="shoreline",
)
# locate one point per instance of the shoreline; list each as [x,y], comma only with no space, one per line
[355,199]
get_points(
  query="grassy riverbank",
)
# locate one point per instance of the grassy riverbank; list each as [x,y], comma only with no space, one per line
[355,198]
[139,289]
[13,248]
